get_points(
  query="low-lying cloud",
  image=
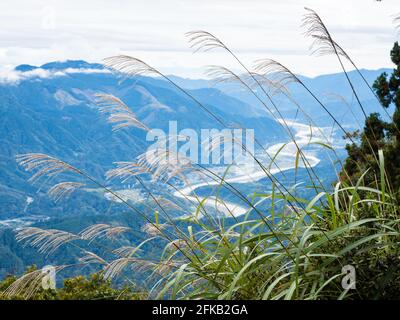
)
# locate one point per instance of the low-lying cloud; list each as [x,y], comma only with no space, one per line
[16,76]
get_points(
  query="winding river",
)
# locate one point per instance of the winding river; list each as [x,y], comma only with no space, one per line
[304,134]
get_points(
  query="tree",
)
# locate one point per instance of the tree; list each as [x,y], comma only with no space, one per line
[378,134]
[93,287]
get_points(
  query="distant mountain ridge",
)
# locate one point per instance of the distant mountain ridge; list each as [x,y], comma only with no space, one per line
[61,65]
[51,109]
[332,89]
[57,115]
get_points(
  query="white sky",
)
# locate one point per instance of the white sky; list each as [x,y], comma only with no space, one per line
[35,32]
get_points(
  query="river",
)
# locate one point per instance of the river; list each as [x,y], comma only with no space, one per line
[286,159]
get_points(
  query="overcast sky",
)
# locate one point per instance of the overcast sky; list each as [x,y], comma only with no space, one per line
[35,32]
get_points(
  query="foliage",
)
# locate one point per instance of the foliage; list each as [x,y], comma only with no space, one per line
[285,246]
[379,134]
[93,287]
[297,254]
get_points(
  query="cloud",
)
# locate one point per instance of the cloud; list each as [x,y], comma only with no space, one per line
[46,30]
[15,77]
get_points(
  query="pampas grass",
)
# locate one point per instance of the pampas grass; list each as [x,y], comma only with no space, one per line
[44,165]
[119,114]
[102,230]
[46,241]
[283,247]
[63,189]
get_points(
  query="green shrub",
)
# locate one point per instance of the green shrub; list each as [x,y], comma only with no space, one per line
[93,287]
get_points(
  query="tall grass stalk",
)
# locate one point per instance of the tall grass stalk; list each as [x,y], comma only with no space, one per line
[284,246]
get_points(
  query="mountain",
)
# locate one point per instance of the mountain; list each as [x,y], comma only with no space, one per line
[51,109]
[56,113]
[332,89]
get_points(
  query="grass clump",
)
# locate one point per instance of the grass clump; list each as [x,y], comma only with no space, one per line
[93,287]
[284,246]
[356,226]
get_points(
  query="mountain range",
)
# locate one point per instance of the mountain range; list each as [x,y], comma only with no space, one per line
[52,109]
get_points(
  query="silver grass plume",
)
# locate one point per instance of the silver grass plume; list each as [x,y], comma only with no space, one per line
[119,114]
[161,164]
[126,251]
[129,66]
[45,240]
[165,267]
[102,230]
[165,164]
[275,72]
[396,21]
[204,41]
[274,87]
[126,170]
[154,229]
[91,258]
[44,165]
[220,74]
[166,204]
[323,44]
[63,190]
[115,267]
[27,285]
[281,74]
[176,244]
[221,139]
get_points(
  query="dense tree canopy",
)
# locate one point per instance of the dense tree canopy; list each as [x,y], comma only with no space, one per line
[379,134]
[93,287]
